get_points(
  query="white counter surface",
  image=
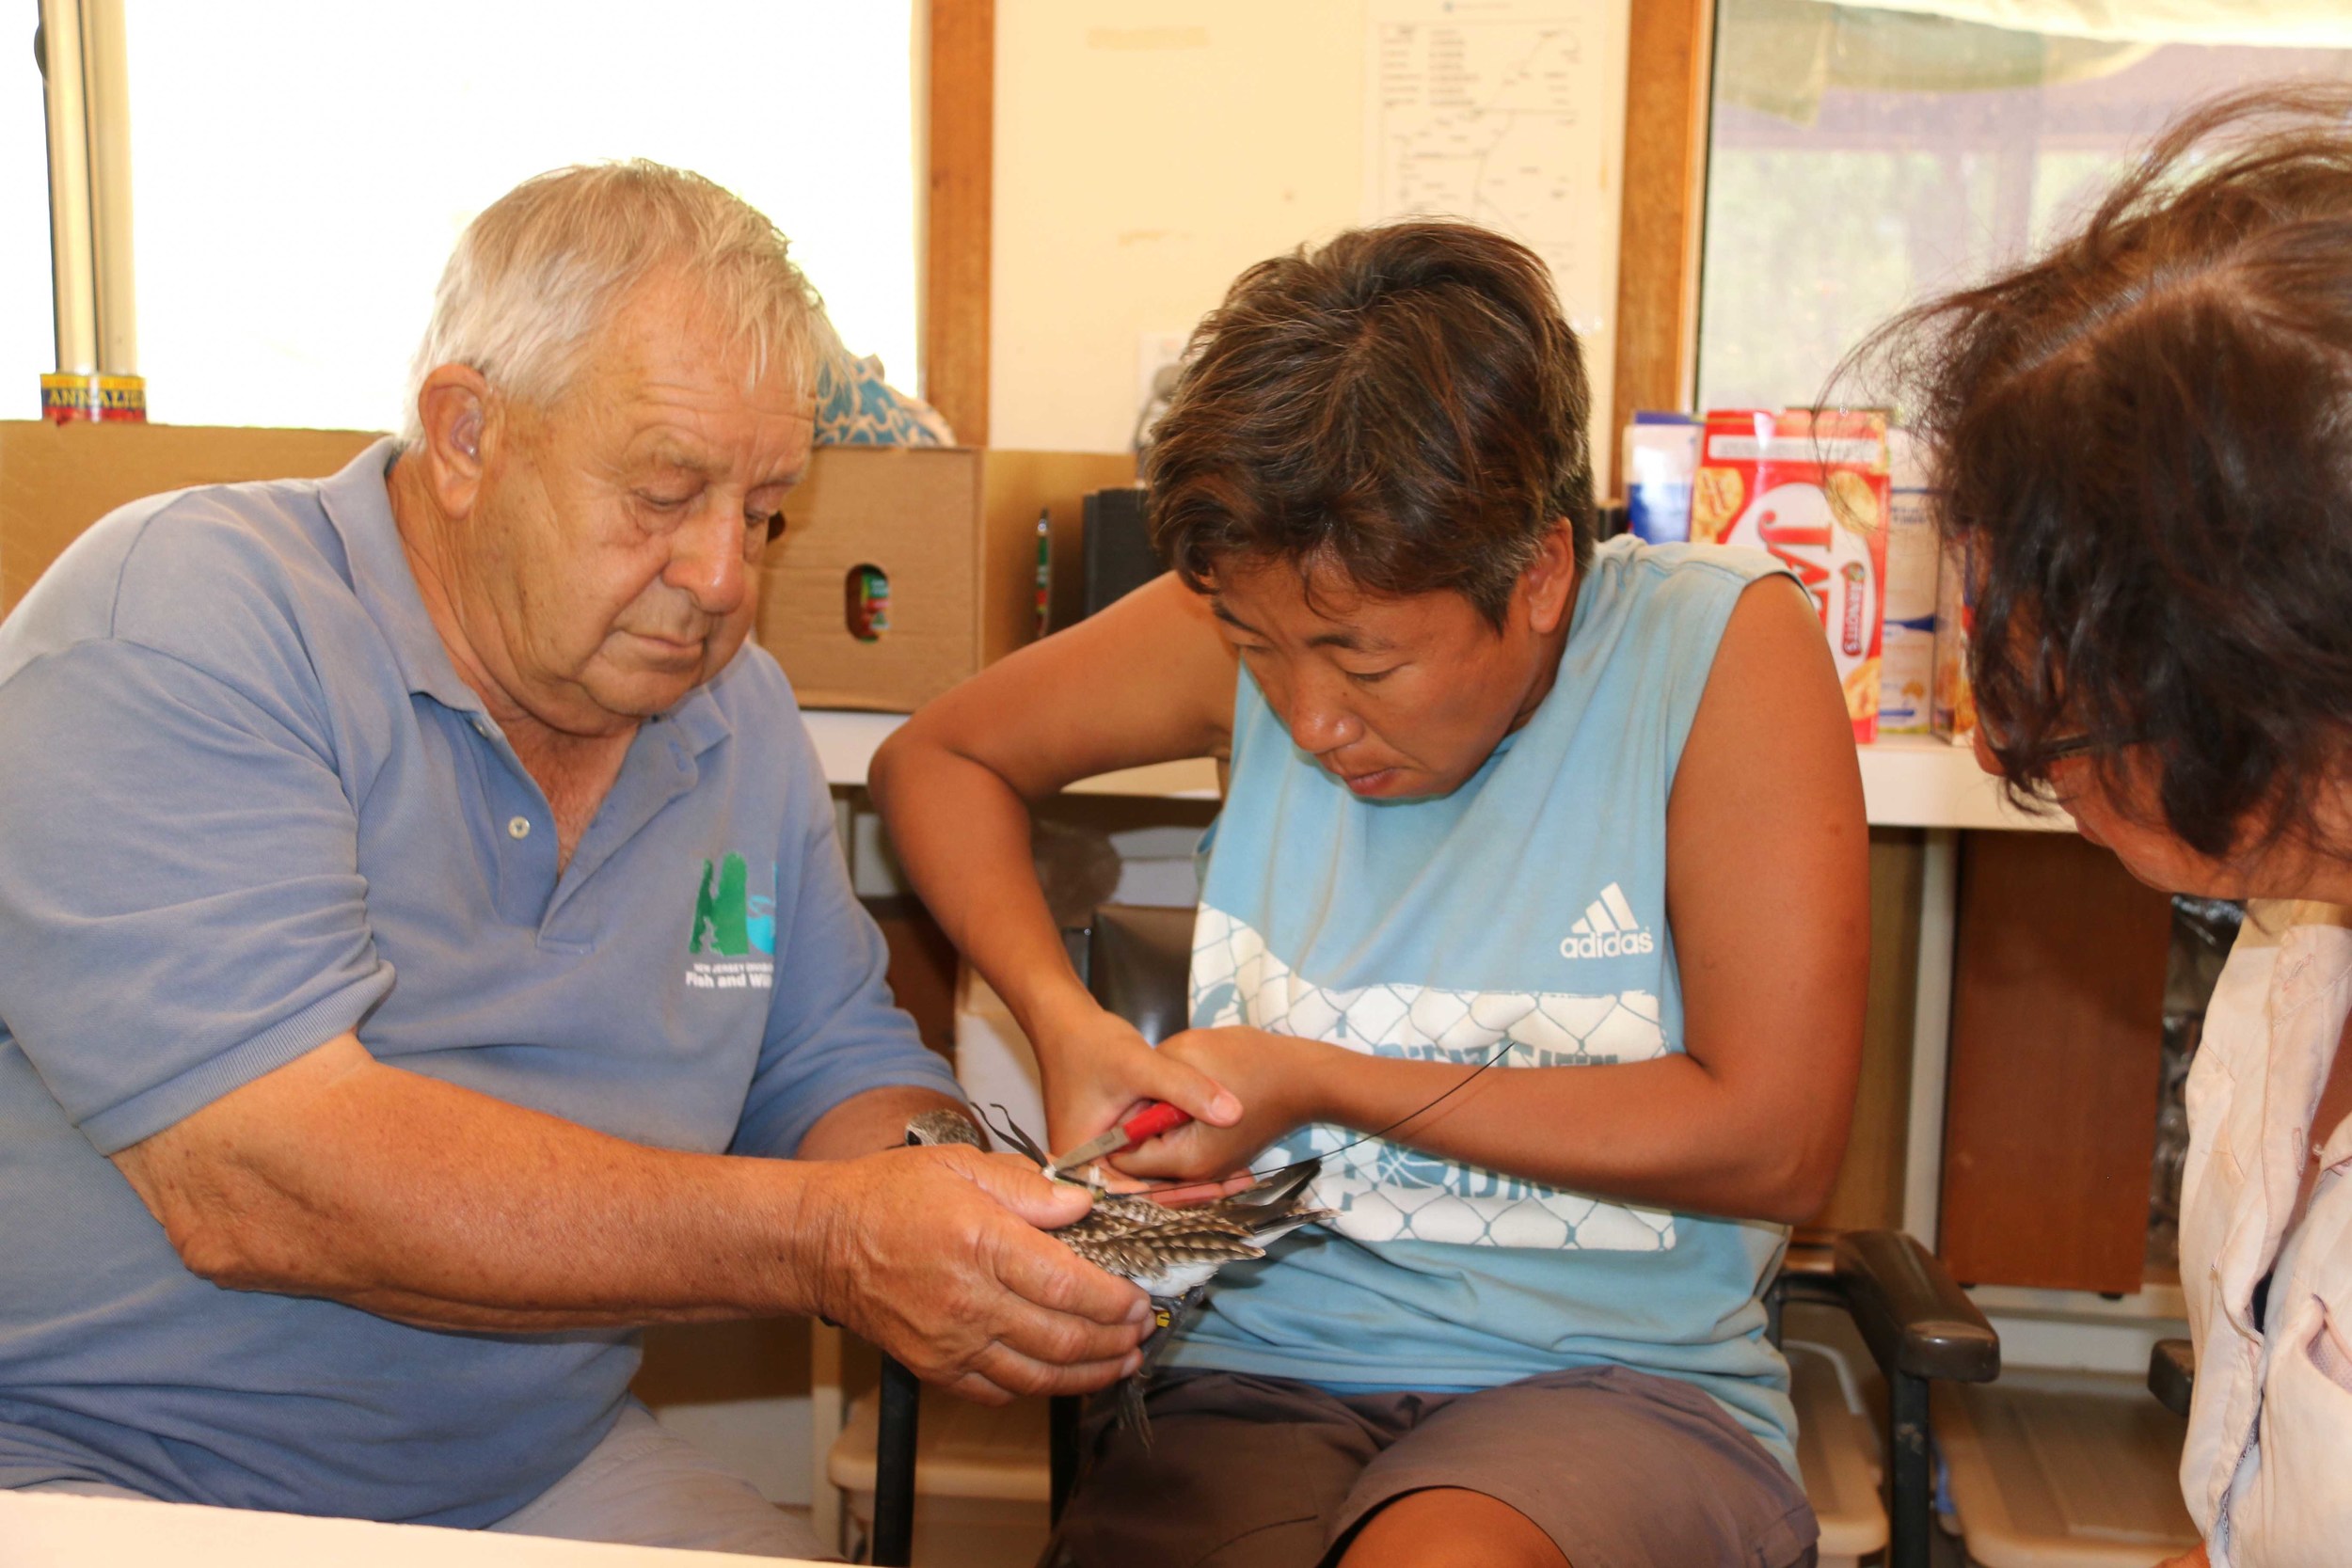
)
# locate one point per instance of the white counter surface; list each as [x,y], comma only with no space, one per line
[52,1530]
[1907,780]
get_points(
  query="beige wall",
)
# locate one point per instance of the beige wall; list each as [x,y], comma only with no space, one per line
[1146,153]
[1146,150]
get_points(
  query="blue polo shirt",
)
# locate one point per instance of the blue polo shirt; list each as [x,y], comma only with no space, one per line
[246,804]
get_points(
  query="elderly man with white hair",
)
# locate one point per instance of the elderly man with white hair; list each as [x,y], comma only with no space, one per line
[424,953]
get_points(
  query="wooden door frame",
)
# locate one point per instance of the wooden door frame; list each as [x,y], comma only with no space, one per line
[959,97]
[1668,83]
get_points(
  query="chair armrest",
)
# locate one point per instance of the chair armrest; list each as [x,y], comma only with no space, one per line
[2172,1374]
[1911,1315]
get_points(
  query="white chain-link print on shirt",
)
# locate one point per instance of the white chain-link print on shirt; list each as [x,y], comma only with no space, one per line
[1385,1192]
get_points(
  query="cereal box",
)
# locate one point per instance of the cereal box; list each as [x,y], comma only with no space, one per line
[1907,662]
[1811,491]
[1955,718]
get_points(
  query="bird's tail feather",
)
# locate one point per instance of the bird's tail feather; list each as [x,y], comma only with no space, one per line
[1281,1188]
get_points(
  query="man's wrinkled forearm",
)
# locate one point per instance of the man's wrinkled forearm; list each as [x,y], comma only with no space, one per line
[338,1176]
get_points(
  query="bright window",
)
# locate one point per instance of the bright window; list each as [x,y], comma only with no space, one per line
[1861,159]
[300,170]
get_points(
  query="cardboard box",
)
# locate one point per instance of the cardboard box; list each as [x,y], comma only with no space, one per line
[953,530]
[58,480]
[1810,491]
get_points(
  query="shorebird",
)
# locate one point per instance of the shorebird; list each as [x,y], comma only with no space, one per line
[1171,1251]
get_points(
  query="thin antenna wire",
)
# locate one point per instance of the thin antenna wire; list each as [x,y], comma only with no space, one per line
[1502,1050]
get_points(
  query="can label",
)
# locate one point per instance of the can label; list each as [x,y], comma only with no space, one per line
[70,397]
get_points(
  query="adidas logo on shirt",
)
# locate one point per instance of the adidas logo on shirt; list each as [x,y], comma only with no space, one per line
[1608,929]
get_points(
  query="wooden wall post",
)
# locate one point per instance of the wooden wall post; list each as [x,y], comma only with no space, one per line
[961,150]
[1667,98]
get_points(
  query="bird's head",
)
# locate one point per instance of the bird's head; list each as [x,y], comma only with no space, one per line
[932,1129]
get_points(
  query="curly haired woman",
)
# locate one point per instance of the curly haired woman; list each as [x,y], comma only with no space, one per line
[2144,441]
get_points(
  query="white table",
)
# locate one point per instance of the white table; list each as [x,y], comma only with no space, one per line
[50,1531]
[1907,780]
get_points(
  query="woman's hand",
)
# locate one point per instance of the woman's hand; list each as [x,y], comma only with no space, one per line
[1278,1078]
[1098,1071]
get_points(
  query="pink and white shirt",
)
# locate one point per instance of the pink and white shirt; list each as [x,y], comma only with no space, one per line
[2267,1468]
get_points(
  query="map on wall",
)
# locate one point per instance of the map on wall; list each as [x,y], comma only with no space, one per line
[1511,114]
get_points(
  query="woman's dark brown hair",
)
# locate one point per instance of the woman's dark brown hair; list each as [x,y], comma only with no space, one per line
[2144,442]
[1405,405]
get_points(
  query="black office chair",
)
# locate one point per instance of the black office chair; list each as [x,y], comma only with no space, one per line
[893,1539]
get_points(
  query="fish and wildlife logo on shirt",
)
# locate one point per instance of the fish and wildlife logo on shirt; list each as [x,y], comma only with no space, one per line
[733,944]
[1608,930]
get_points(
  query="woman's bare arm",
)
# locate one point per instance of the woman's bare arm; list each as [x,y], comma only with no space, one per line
[1147,680]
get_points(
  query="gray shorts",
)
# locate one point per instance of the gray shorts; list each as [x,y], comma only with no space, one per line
[1620,1468]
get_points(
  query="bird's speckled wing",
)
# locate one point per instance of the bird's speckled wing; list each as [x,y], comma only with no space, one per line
[1134,1237]
[1143,1239]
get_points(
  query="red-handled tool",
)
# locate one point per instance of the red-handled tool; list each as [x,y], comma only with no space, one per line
[1157,1118]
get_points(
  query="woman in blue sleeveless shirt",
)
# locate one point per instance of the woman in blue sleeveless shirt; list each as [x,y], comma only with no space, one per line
[1496,794]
